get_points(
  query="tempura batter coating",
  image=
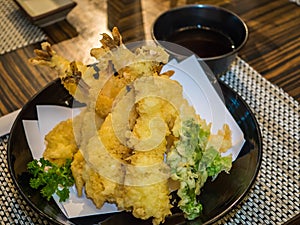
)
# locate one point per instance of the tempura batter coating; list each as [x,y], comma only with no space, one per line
[120,79]
[60,143]
[146,202]
[98,188]
[112,144]
[77,167]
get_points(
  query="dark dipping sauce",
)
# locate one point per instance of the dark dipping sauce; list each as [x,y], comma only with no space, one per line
[204,42]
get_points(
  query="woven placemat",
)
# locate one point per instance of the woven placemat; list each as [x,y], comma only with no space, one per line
[274,197]
[16,31]
[13,208]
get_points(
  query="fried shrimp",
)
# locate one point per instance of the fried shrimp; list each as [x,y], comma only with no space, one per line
[112,144]
[72,74]
[108,43]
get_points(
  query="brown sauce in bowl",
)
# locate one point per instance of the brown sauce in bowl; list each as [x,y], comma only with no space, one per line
[204,42]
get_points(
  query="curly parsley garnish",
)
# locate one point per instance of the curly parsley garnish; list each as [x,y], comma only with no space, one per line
[52,179]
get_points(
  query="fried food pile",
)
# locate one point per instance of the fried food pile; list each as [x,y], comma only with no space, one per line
[132,120]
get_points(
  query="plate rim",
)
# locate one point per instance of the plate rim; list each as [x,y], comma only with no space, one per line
[259,159]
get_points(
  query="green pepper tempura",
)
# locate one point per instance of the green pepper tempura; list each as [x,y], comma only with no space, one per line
[192,163]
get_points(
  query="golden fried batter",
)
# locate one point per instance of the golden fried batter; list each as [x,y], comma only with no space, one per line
[98,188]
[60,143]
[112,144]
[146,202]
[77,167]
[221,140]
[120,79]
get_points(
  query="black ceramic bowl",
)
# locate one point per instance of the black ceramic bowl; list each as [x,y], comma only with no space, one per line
[213,33]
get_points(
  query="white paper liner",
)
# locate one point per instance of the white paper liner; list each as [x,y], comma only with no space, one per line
[201,94]
[6,122]
[197,90]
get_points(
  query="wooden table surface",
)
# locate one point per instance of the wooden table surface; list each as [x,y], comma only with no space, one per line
[273,47]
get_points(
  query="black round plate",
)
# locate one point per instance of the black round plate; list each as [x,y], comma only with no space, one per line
[218,197]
